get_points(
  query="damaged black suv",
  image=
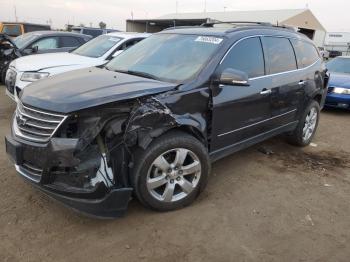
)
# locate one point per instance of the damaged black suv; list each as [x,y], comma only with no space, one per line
[152,120]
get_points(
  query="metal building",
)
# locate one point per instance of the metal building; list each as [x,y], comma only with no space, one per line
[303,19]
[338,42]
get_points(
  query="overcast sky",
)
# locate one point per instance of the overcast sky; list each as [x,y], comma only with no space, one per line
[334,15]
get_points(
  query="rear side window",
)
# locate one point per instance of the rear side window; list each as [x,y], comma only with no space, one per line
[246,56]
[279,55]
[69,41]
[306,53]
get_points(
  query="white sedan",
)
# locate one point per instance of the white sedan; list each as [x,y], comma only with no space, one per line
[96,52]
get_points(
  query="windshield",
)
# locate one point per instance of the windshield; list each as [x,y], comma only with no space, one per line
[97,47]
[339,65]
[167,57]
[12,30]
[22,40]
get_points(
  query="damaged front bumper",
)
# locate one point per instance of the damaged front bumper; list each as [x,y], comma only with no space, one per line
[78,180]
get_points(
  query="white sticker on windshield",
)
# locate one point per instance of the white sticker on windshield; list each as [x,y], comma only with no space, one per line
[209,39]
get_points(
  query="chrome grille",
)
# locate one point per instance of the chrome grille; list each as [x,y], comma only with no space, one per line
[35,125]
[30,172]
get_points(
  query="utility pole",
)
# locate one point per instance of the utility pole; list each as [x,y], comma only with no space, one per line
[16,18]
[205,6]
[177,7]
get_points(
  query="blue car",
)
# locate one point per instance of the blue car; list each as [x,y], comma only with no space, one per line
[339,83]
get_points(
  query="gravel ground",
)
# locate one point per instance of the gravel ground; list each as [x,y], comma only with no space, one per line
[290,205]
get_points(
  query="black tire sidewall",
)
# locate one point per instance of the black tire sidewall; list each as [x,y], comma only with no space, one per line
[145,158]
[3,75]
[298,134]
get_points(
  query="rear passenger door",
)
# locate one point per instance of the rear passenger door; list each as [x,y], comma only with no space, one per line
[241,112]
[286,82]
[307,58]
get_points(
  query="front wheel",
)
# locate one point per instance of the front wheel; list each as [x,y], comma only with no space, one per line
[307,126]
[2,76]
[171,172]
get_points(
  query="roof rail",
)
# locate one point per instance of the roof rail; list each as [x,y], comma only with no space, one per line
[211,24]
[286,27]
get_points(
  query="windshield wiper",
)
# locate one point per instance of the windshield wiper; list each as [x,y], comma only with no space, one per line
[136,73]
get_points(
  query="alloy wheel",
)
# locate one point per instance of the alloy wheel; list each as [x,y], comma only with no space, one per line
[173,175]
[310,124]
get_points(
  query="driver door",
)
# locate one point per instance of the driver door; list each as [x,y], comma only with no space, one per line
[240,113]
[47,45]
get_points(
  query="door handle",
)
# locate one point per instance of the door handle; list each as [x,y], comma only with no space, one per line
[302,82]
[265,91]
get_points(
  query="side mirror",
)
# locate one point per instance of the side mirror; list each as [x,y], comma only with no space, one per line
[234,77]
[28,51]
[117,53]
[31,50]
[35,49]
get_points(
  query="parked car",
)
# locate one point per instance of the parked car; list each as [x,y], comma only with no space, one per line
[100,50]
[324,53]
[339,83]
[36,43]
[15,29]
[94,32]
[333,54]
[152,120]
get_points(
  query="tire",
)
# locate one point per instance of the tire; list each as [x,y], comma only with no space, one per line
[302,136]
[3,75]
[175,188]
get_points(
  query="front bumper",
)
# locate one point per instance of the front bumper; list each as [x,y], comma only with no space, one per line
[80,190]
[338,101]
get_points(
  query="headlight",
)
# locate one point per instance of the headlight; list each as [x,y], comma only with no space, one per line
[33,76]
[340,90]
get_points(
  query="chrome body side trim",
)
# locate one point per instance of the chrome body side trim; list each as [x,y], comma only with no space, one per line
[257,123]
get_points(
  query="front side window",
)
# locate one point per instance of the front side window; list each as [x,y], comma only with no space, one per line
[306,53]
[168,57]
[246,56]
[12,30]
[129,43]
[97,47]
[279,55]
[46,43]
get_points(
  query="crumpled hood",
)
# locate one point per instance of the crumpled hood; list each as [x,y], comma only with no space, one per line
[46,61]
[5,37]
[339,80]
[85,88]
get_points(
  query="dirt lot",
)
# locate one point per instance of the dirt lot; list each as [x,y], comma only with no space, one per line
[292,205]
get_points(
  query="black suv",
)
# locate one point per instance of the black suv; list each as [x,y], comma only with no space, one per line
[152,120]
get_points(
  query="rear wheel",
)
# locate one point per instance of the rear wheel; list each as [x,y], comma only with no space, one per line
[171,172]
[306,129]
